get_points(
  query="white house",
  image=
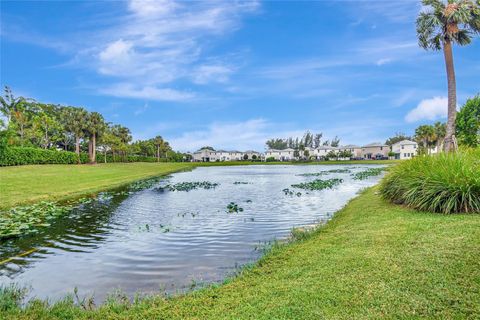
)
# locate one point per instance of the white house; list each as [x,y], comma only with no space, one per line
[373,150]
[253,154]
[321,152]
[208,155]
[356,151]
[405,149]
[280,155]
[203,155]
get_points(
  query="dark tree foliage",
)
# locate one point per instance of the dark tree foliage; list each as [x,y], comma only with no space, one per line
[468,123]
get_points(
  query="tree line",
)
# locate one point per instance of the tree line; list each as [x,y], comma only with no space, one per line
[29,123]
[467,130]
[309,140]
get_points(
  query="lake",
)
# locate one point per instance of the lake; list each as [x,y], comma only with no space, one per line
[152,241]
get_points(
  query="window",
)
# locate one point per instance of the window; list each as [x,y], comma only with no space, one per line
[381,148]
[403,147]
[405,155]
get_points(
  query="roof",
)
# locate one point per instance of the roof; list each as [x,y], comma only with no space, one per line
[375,144]
[405,142]
[281,150]
[349,146]
[327,148]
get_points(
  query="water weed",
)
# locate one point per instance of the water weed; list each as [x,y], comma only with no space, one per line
[318,184]
[188,186]
[370,172]
[322,173]
[232,207]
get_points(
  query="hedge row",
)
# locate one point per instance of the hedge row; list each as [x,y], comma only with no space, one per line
[20,156]
[15,156]
[130,158]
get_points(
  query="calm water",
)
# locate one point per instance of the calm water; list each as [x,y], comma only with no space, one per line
[150,241]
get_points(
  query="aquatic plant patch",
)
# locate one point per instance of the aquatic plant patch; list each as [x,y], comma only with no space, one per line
[232,207]
[241,182]
[188,186]
[322,173]
[27,219]
[318,184]
[370,172]
[289,192]
[145,184]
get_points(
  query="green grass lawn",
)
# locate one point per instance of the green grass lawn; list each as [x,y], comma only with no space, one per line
[28,184]
[373,260]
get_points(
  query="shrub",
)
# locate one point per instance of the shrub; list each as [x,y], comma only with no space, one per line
[14,156]
[446,182]
[270,159]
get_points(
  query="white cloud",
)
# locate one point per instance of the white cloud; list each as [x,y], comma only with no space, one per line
[211,73]
[159,42]
[238,135]
[429,109]
[383,61]
[127,90]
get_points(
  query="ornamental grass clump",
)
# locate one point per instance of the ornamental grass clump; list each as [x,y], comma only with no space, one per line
[444,183]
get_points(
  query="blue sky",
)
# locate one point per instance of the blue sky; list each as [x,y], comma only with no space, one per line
[233,74]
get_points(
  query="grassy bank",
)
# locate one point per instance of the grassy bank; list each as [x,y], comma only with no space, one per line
[29,184]
[373,260]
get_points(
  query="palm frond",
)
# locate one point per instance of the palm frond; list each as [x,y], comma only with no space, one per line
[462,37]
[428,30]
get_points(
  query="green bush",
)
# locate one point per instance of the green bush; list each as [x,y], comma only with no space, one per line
[270,159]
[130,158]
[14,156]
[446,182]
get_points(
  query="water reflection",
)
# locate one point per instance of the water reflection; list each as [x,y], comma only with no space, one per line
[150,240]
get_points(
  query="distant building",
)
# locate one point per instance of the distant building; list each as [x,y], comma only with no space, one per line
[405,149]
[355,150]
[208,155]
[251,154]
[321,152]
[374,150]
[280,155]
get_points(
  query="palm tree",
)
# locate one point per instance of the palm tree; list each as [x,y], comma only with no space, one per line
[425,134]
[158,141]
[440,132]
[440,27]
[9,104]
[95,127]
[75,122]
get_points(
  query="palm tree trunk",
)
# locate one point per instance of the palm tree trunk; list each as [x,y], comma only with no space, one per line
[449,144]
[77,145]
[93,154]
[158,153]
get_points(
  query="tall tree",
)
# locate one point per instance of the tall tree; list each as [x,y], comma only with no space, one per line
[76,123]
[9,104]
[468,123]
[443,25]
[440,133]
[425,135]
[95,127]
[335,142]
[317,140]
[397,138]
[158,141]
